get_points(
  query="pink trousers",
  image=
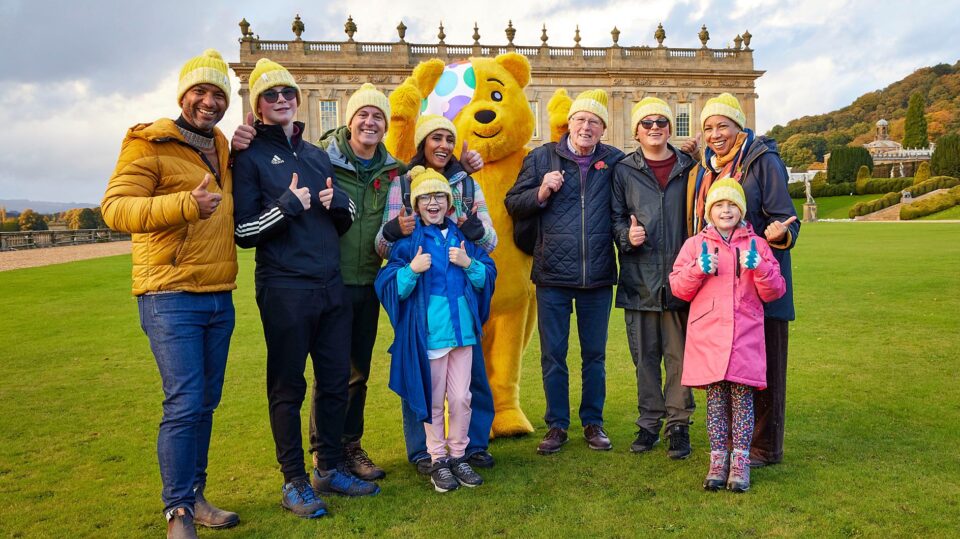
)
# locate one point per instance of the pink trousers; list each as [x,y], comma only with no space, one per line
[450,376]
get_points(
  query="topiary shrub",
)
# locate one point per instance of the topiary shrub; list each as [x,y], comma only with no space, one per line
[846,162]
[870,206]
[922,174]
[931,204]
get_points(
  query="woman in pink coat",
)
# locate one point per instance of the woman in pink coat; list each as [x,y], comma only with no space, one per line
[726,272]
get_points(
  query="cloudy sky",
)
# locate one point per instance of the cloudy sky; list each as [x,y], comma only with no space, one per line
[75,75]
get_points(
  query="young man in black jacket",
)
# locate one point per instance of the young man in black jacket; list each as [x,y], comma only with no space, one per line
[289,208]
[573,262]
[649,222]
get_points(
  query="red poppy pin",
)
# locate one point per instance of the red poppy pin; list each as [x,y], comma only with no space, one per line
[599,165]
[376,183]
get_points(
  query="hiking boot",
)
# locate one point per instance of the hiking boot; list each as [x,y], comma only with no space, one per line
[552,441]
[359,463]
[481,459]
[210,516]
[465,474]
[645,441]
[424,466]
[597,438]
[679,436]
[340,481]
[739,480]
[719,469]
[180,524]
[442,477]
[301,500]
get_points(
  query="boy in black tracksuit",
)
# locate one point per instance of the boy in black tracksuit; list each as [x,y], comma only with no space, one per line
[287,206]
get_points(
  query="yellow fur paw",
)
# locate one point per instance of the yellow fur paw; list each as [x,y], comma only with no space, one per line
[511,422]
[558,109]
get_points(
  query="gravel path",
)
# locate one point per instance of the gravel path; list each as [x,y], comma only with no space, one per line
[29,258]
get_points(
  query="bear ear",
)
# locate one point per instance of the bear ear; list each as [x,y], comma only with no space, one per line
[517,65]
[426,75]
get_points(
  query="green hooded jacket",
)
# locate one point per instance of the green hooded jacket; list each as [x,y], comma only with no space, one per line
[367,187]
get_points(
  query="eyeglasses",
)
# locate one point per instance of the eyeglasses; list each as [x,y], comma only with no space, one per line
[661,123]
[271,96]
[592,122]
[432,197]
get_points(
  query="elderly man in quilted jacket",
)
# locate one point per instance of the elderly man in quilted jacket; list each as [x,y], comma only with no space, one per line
[567,187]
[172,190]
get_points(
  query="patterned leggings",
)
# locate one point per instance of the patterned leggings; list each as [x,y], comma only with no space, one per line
[726,400]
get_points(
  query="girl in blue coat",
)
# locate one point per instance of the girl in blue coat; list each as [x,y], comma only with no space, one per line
[436,289]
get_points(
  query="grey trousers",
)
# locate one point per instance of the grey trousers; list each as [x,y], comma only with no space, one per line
[654,336]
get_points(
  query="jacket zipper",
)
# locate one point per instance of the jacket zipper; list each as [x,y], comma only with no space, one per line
[583,227]
[216,176]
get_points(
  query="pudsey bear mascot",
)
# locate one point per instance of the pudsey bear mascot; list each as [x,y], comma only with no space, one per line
[484,98]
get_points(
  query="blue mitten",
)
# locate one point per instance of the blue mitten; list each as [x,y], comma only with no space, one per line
[750,259]
[706,262]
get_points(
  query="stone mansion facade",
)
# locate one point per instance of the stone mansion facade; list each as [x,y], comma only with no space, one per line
[329,71]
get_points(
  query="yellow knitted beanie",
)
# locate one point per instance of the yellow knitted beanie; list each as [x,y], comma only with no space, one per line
[428,123]
[594,101]
[368,95]
[726,189]
[266,75]
[208,68]
[424,181]
[724,105]
[649,106]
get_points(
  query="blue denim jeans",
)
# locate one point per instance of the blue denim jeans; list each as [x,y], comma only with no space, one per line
[481,419]
[190,337]
[554,306]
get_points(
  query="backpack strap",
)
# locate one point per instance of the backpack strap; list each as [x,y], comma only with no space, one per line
[554,158]
[467,192]
[405,193]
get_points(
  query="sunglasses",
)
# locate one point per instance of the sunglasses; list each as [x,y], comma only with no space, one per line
[271,96]
[661,123]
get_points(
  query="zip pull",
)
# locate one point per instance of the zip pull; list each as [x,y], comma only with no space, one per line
[737,261]
[716,271]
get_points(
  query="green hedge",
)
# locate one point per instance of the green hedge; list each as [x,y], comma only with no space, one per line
[934,183]
[870,206]
[820,189]
[932,204]
[880,186]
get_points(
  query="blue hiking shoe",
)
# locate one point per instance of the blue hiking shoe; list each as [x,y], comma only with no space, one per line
[340,481]
[301,500]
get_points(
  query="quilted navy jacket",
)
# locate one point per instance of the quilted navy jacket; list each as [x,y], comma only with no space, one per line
[575,244]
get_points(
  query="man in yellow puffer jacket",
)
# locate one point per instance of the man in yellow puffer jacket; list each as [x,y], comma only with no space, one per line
[172,190]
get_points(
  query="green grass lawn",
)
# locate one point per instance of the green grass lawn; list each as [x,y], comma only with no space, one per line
[871,442]
[834,207]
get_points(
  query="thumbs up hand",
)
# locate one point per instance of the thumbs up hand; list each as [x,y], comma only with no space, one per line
[326,196]
[302,193]
[750,259]
[207,202]
[776,230]
[244,134]
[637,234]
[458,256]
[407,222]
[470,160]
[692,146]
[421,262]
[707,261]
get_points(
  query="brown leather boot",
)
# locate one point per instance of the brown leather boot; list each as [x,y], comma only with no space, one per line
[597,438]
[209,516]
[553,441]
[180,525]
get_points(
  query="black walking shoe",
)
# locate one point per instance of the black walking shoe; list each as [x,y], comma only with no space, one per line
[442,477]
[481,459]
[679,436]
[340,481]
[645,441]
[465,474]
[301,500]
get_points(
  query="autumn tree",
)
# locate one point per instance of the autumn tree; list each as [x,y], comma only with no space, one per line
[31,220]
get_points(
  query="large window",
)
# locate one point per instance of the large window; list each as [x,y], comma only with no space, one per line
[329,115]
[535,108]
[683,120]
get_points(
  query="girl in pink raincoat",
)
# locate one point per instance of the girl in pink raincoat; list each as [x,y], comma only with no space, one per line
[726,272]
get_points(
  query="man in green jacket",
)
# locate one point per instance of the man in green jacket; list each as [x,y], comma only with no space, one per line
[363,169]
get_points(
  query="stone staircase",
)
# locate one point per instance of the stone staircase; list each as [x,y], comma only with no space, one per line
[892,213]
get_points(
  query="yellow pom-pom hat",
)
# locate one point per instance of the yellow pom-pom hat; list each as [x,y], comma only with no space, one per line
[368,95]
[208,68]
[428,123]
[424,181]
[266,75]
[726,189]
[594,101]
[649,106]
[724,105]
